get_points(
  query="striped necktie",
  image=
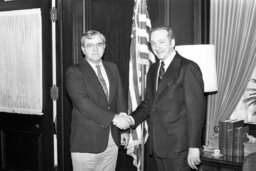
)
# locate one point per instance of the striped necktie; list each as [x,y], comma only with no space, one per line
[161,72]
[102,81]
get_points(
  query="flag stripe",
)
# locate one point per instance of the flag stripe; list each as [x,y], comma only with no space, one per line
[139,57]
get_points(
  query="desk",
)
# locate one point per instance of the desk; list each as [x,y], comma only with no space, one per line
[224,163]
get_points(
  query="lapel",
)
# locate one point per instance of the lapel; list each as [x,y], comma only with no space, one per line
[154,76]
[169,77]
[92,77]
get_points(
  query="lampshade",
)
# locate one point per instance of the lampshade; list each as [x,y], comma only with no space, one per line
[204,56]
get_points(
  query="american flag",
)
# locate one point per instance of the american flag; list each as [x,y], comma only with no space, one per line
[140,60]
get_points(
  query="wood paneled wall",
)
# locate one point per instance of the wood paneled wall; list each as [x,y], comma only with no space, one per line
[114,18]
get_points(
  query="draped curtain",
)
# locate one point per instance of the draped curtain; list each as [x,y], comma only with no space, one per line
[21,61]
[233,31]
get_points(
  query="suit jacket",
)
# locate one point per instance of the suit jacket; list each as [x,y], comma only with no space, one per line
[176,111]
[92,113]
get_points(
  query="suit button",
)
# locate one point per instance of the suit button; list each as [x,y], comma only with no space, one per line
[108,107]
[102,125]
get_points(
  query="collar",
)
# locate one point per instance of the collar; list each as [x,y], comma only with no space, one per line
[168,60]
[93,65]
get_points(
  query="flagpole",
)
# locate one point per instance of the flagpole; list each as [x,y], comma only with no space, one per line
[139,64]
[143,72]
[143,80]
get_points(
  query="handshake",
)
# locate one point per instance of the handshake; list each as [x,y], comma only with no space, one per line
[123,121]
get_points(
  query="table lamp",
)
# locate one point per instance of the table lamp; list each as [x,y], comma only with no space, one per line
[204,56]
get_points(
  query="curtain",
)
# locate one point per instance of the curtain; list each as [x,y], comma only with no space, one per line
[21,61]
[233,31]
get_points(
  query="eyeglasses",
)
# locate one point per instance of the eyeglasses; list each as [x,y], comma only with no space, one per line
[92,46]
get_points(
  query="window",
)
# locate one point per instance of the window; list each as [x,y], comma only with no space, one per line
[243,111]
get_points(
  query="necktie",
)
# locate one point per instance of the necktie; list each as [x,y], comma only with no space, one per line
[161,72]
[102,80]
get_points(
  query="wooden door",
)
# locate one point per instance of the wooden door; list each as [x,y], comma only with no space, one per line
[27,139]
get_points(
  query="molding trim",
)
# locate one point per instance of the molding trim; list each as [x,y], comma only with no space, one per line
[77,28]
[201,20]
[167,12]
[86,15]
[197,22]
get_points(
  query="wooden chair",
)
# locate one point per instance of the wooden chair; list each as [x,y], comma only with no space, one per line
[249,163]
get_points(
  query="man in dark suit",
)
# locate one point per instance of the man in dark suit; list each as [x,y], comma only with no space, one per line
[174,106]
[96,92]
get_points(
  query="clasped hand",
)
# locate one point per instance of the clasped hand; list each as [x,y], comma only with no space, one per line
[123,121]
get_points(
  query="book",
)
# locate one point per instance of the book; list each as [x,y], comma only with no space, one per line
[239,139]
[229,142]
[222,136]
[230,127]
[244,139]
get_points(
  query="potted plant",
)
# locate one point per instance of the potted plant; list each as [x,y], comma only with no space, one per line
[251,100]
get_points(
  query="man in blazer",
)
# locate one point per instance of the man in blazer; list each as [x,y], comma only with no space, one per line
[96,92]
[174,106]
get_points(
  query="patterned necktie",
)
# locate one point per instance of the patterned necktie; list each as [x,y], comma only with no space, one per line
[102,81]
[161,72]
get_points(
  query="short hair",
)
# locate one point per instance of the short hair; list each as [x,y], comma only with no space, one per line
[168,29]
[90,34]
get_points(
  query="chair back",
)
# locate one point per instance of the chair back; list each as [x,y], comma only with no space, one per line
[249,163]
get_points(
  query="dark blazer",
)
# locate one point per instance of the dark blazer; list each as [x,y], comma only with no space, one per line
[176,111]
[92,114]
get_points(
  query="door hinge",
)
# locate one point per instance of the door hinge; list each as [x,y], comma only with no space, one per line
[54,93]
[53,14]
[54,128]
